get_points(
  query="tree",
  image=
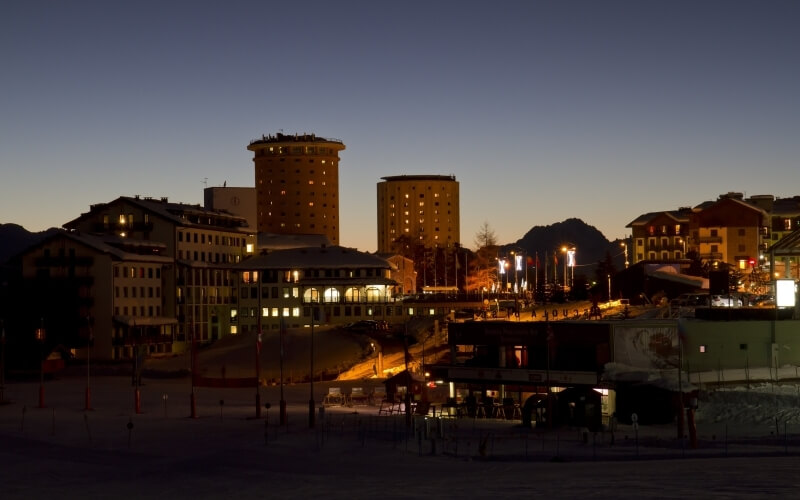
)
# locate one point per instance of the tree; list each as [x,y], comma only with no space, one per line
[485,236]
[485,256]
[605,269]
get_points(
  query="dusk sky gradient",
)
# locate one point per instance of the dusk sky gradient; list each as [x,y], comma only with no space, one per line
[543,110]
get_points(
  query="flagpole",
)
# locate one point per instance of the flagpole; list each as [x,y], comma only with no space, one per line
[283,401]
[311,397]
[258,346]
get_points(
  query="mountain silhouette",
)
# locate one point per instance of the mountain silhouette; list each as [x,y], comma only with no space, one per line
[15,238]
[590,245]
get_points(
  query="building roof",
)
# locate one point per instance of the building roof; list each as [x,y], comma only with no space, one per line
[787,246]
[323,257]
[180,214]
[281,138]
[677,215]
[423,177]
[272,241]
[114,246]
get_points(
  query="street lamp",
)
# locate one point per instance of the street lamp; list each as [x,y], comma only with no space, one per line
[40,336]
[624,246]
[569,261]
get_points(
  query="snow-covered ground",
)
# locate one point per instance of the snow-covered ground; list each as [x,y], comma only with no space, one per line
[64,451]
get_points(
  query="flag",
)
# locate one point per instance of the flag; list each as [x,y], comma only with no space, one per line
[555,259]
[258,343]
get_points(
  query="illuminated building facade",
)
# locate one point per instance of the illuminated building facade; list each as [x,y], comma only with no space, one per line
[418,210]
[297,184]
[204,245]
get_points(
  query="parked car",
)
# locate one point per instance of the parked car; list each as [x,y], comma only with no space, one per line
[725,301]
[690,300]
[363,326]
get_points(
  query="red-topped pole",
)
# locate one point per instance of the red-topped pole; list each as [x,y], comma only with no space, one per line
[40,338]
[89,343]
[258,369]
[193,357]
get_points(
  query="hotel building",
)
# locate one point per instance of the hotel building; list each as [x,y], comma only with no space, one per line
[420,209]
[297,184]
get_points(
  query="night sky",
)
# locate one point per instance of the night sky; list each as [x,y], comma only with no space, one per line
[543,110]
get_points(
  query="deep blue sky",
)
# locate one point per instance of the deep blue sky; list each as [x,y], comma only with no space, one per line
[543,110]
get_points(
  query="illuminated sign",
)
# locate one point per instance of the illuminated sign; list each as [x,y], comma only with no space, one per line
[785,293]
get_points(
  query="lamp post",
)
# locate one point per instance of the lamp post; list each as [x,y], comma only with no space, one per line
[89,343]
[193,361]
[255,278]
[311,390]
[40,336]
[624,246]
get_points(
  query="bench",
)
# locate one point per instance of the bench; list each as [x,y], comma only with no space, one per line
[377,396]
[390,406]
[358,397]
[334,397]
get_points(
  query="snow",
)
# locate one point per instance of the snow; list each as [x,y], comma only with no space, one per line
[66,451]
[748,441]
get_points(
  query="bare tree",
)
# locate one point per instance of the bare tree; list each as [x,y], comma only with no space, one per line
[486,254]
[485,237]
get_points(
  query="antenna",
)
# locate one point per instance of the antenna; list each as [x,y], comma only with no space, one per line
[205,182]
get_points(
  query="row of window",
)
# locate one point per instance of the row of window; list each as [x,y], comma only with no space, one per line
[295,150]
[152,292]
[210,257]
[137,272]
[293,276]
[124,221]
[203,238]
[143,311]
[331,311]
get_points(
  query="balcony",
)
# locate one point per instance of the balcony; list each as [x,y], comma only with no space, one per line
[709,239]
[64,261]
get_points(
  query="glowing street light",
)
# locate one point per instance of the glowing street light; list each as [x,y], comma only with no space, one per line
[569,261]
[41,336]
[624,246]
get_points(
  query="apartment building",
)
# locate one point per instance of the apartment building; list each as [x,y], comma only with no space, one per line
[418,210]
[660,235]
[105,288]
[205,245]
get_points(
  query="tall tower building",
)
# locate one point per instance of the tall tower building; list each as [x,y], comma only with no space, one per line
[420,209]
[297,184]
